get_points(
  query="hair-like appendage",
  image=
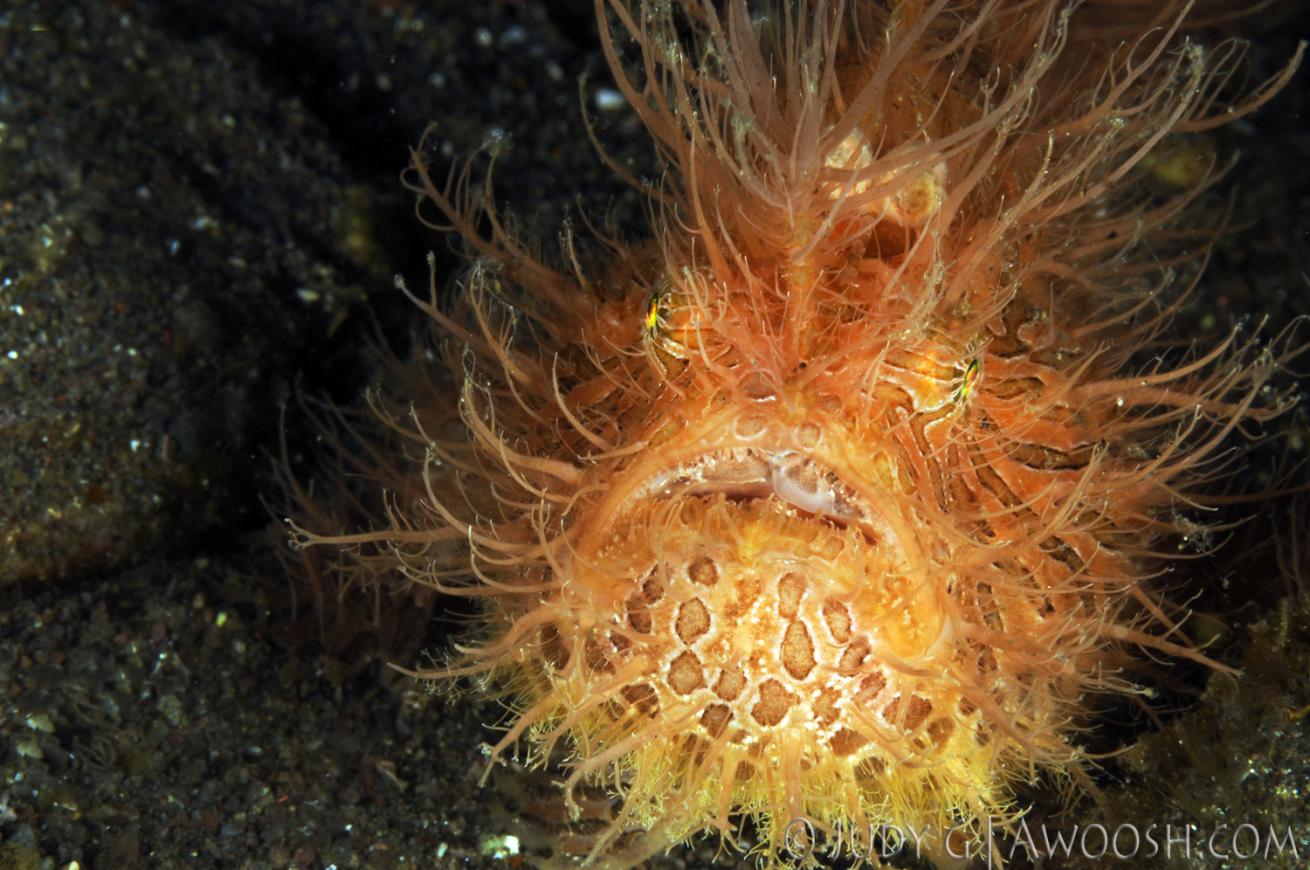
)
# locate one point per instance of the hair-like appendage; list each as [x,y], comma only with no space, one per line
[844,496]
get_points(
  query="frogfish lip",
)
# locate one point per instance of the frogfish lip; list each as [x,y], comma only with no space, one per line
[802,480]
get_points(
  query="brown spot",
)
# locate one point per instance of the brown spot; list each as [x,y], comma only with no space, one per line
[790,590]
[838,619]
[703,571]
[653,589]
[846,741]
[774,703]
[598,659]
[870,688]
[870,769]
[553,648]
[748,592]
[693,620]
[939,731]
[798,651]
[715,719]
[685,674]
[745,770]
[825,706]
[619,641]
[730,684]
[917,710]
[696,747]
[854,654]
[641,696]
[638,615]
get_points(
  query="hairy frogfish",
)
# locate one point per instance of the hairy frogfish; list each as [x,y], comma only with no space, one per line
[844,496]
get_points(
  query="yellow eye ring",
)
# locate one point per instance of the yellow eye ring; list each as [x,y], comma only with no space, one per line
[971,373]
[652,322]
[668,332]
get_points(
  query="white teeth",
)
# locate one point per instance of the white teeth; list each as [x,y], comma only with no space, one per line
[792,476]
[795,481]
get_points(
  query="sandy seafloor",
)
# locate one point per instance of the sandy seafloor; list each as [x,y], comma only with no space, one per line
[199,209]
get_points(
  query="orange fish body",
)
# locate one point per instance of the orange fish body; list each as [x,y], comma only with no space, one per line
[839,500]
